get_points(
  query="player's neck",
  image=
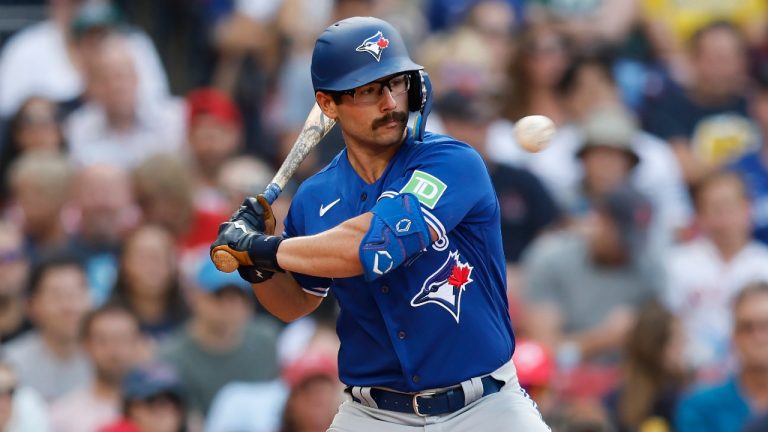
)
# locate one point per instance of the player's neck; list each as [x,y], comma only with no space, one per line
[370,163]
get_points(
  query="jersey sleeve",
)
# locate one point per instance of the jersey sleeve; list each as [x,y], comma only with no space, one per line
[314,285]
[450,182]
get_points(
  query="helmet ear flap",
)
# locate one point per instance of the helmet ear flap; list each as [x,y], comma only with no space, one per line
[417,94]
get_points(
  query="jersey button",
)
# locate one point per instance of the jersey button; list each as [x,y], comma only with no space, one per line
[385,289]
[416,378]
[363,196]
[401,334]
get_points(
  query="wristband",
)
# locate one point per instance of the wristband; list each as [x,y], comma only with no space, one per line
[263,251]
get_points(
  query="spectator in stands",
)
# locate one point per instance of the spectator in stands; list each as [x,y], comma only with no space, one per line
[45,59]
[165,192]
[14,272]
[753,166]
[153,401]
[40,187]
[21,408]
[706,121]
[731,405]
[34,128]
[111,338]
[148,282]
[315,394]
[607,158]
[103,198]
[654,372]
[669,26]
[244,176]
[495,22]
[594,107]
[536,68]
[705,273]
[214,129]
[249,53]
[309,344]
[115,126]
[589,23]
[444,15]
[223,341]
[582,288]
[50,358]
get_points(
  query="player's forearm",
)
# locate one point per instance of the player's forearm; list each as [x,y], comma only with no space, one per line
[283,297]
[333,253]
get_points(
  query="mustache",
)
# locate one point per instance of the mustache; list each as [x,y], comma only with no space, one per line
[398,116]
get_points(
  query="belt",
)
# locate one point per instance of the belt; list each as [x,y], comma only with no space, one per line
[427,403]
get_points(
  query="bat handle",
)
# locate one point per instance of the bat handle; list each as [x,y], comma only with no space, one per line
[224,261]
[272,191]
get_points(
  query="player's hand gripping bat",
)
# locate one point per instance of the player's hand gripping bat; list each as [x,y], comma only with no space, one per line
[315,128]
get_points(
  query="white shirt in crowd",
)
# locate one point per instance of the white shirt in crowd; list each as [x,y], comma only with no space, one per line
[35,62]
[701,288]
[29,412]
[160,128]
[42,370]
[81,411]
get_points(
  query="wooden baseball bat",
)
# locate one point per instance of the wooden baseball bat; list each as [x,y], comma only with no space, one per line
[315,128]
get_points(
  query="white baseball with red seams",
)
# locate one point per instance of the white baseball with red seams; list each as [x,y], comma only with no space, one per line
[534,132]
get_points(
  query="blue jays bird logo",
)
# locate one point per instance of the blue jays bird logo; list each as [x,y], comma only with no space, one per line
[374,45]
[445,286]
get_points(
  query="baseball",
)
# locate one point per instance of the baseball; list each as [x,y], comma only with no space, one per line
[534,132]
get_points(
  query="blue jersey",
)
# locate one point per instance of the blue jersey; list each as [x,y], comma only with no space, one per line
[440,318]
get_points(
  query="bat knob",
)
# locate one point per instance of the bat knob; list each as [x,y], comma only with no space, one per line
[224,261]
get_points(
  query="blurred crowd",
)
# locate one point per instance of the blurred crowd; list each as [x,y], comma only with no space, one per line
[636,243]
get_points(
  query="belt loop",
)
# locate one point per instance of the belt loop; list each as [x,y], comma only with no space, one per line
[363,394]
[473,390]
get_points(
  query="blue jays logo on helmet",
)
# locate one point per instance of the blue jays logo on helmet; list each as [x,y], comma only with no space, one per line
[340,58]
[374,45]
[446,285]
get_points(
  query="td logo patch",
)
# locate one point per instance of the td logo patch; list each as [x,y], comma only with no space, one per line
[427,188]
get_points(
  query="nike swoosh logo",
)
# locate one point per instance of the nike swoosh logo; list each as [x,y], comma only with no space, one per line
[324,209]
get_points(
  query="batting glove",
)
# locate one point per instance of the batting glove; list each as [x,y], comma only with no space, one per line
[256,214]
[249,247]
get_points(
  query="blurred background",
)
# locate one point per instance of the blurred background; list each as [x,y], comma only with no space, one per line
[635,244]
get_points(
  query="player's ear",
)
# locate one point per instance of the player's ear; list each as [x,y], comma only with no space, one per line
[327,104]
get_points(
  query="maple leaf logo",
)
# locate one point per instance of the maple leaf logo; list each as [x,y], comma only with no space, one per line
[459,275]
[383,43]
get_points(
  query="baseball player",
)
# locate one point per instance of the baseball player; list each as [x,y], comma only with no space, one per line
[404,226]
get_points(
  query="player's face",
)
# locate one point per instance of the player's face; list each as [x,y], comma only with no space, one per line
[376,114]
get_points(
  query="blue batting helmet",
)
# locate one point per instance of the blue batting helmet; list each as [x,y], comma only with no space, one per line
[356,51]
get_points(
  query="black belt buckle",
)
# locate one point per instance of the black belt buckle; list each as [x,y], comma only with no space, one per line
[425,394]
